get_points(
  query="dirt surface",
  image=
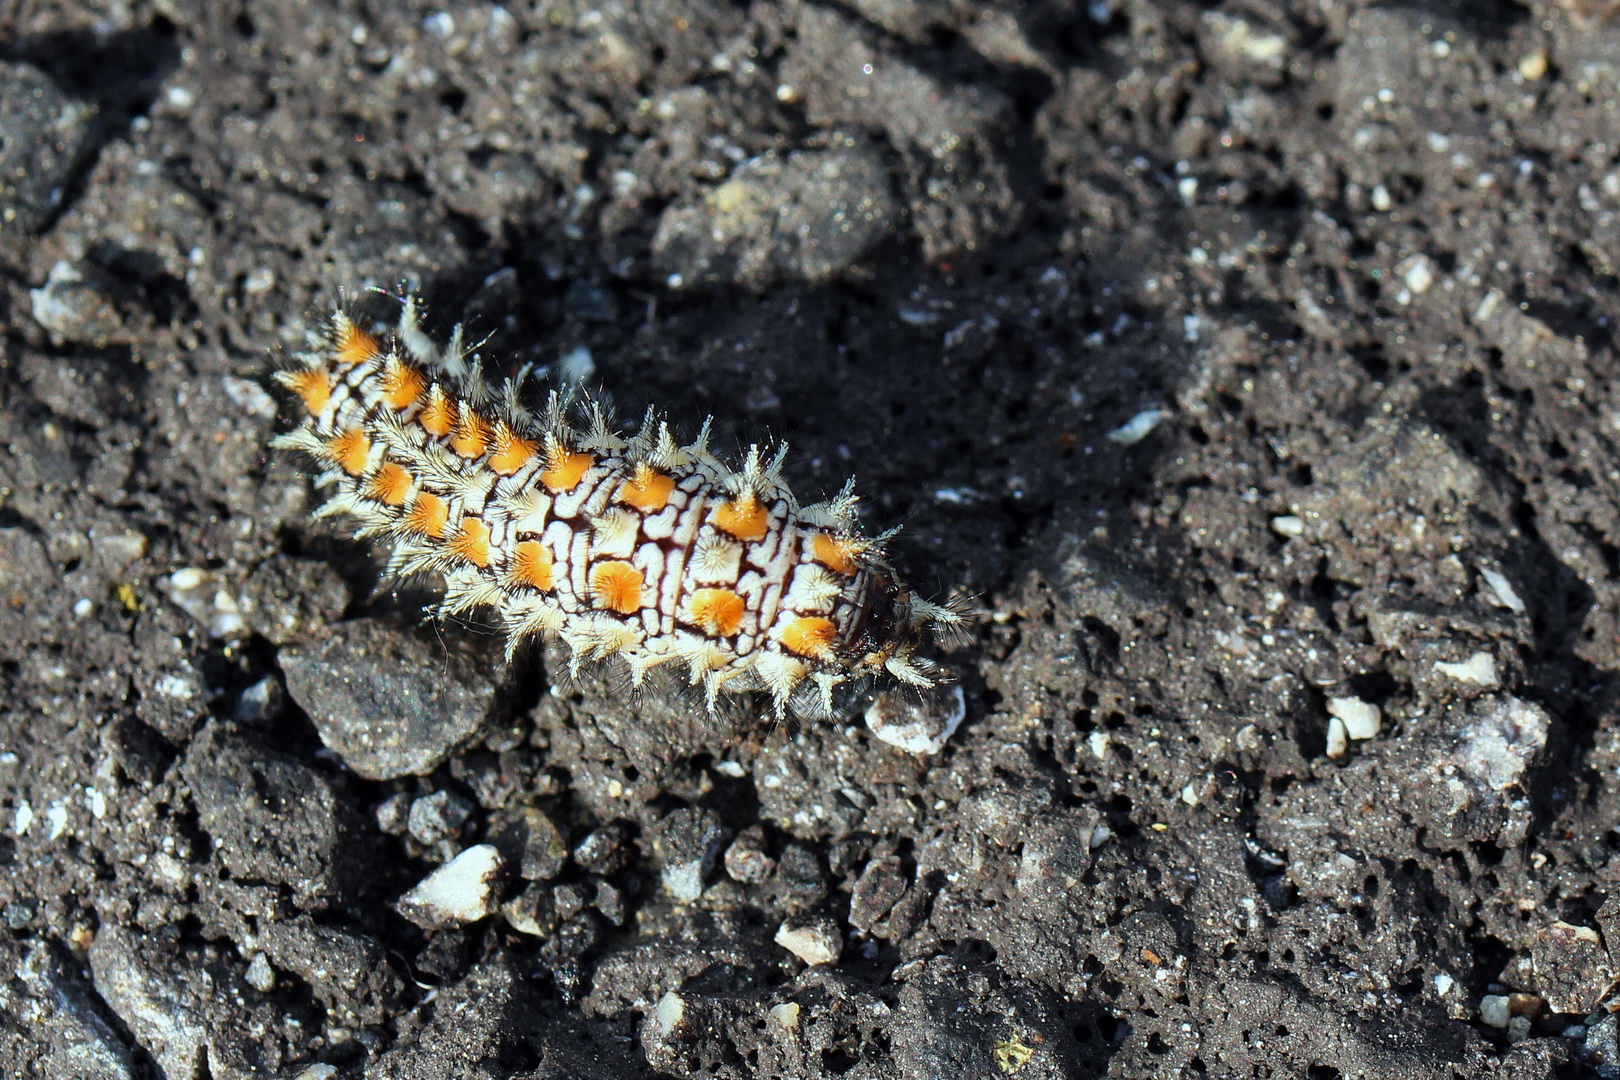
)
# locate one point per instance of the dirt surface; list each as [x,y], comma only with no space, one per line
[1250,361]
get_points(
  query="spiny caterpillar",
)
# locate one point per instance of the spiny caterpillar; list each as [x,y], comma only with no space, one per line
[639,548]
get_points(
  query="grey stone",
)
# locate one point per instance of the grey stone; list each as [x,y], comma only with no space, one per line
[604,850]
[50,1026]
[1504,738]
[877,890]
[385,702]
[687,843]
[438,816]
[807,215]
[44,139]
[181,1009]
[76,305]
[746,860]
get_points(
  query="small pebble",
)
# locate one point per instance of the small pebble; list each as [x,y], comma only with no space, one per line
[1361,719]
[438,816]
[746,860]
[532,912]
[610,902]
[570,898]
[1338,743]
[1479,669]
[1500,591]
[603,850]
[919,722]
[393,813]
[1137,427]
[667,1015]
[545,852]
[687,843]
[1288,525]
[816,943]
[260,975]
[1493,1010]
[461,891]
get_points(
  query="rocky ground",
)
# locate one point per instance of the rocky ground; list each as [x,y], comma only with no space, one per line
[1250,361]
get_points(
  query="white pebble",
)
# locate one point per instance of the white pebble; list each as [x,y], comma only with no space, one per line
[1337,743]
[786,1014]
[816,943]
[461,891]
[1500,591]
[918,723]
[1361,719]
[1418,273]
[667,1016]
[23,819]
[1479,668]
[1380,199]
[1493,1010]
[1097,743]
[1288,525]
[57,815]
[1137,427]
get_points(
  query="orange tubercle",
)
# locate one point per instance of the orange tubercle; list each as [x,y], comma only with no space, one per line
[472,542]
[616,586]
[718,611]
[313,387]
[533,566]
[564,470]
[390,484]
[353,345]
[810,636]
[510,453]
[428,516]
[350,449]
[832,553]
[402,385]
[647,489]
[438,416]
[743,518]
[471,437]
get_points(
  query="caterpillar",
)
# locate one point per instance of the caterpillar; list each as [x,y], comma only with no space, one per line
[639,548]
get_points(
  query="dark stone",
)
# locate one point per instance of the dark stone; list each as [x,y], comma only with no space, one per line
[184,1006]
[473,1031]
[347,972]
[1571,967]
[969,1023]
[271,817]
[604,850]
[880,885]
